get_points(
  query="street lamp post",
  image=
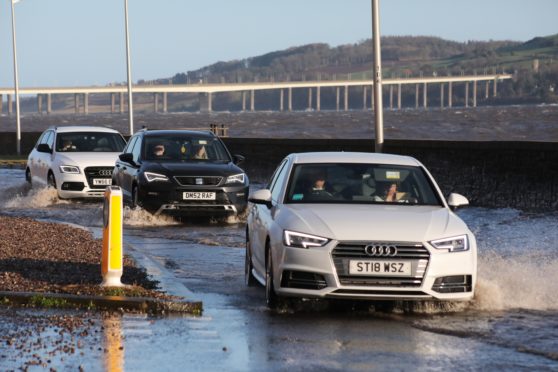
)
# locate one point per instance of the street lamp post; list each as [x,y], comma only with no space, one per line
[16,82]
[378,105]
[129,71]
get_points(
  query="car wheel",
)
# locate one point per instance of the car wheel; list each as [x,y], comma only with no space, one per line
[249,279]
[51,181]
[28,175]
[271,297]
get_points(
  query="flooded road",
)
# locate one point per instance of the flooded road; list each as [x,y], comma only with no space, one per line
[511,324]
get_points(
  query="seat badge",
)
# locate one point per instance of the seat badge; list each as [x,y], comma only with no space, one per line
[199,181]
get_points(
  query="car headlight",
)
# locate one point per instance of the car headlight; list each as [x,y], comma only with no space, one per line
[150,177]
[236,178]
[300,240]
[69,169]
[454,244]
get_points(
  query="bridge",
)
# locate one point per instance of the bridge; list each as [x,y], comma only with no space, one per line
[206,92]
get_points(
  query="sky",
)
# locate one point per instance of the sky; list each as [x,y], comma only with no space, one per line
[82,42]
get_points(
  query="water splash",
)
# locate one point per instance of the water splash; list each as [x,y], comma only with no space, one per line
[527,281]
[23,196]
[140,217]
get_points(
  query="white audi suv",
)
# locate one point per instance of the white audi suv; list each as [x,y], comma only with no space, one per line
[76,160]
[341,225]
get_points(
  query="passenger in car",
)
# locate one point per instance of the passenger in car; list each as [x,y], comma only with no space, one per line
[391,192]
[201,152]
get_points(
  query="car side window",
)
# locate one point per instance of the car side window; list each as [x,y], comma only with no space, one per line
[130,145]
[275,174]
[136,150]
[48,139]
[45,137]
[278,182]
[40,140]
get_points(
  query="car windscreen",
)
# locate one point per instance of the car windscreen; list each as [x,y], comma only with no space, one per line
[357,183]
[184,148]
[89,142]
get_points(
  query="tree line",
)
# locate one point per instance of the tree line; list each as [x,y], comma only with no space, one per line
[402,56]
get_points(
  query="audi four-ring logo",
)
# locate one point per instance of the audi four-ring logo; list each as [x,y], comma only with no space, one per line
[380,250]
[105,172]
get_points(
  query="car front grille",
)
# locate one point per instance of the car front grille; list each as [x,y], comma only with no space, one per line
[414,252]
[198,180]
[97,173]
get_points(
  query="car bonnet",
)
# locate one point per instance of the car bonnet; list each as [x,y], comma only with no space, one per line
[373,222]
[86,159]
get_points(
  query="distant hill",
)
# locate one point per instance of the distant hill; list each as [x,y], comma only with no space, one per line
[400,54]
[540,43]
[534,64]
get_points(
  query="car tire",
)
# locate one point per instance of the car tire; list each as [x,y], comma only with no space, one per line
[249,279]
[51,181]
[271,298]
[28,175]
[134,203]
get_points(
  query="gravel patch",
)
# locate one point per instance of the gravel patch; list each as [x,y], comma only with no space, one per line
[55,258]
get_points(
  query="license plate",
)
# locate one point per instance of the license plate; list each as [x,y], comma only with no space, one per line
[102,181]
[198,195]
[388,268]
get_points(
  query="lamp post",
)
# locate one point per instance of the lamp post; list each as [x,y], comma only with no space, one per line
[378,105]
[16,82]
[129,71]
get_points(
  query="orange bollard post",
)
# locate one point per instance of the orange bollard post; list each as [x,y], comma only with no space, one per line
[112,257]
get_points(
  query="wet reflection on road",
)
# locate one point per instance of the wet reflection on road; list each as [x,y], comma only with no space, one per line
[113,341]
[511,323]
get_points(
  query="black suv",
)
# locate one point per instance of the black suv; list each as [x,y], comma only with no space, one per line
[181,172]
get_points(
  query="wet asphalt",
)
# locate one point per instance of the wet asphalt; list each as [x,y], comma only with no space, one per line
[236,332]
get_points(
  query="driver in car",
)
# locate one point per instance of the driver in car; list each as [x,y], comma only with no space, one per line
[159,151]
[318,188]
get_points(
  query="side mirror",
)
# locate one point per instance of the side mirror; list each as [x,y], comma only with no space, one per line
[43,147]
[456,200]
[237,159]
[127,157]
[261,197]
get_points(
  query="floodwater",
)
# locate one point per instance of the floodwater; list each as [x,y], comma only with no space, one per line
[512,323]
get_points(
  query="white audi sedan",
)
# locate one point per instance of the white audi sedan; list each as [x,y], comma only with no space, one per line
[341,225]
[76,160]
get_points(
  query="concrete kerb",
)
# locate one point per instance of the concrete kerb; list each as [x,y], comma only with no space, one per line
[115,303]
[13,163]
